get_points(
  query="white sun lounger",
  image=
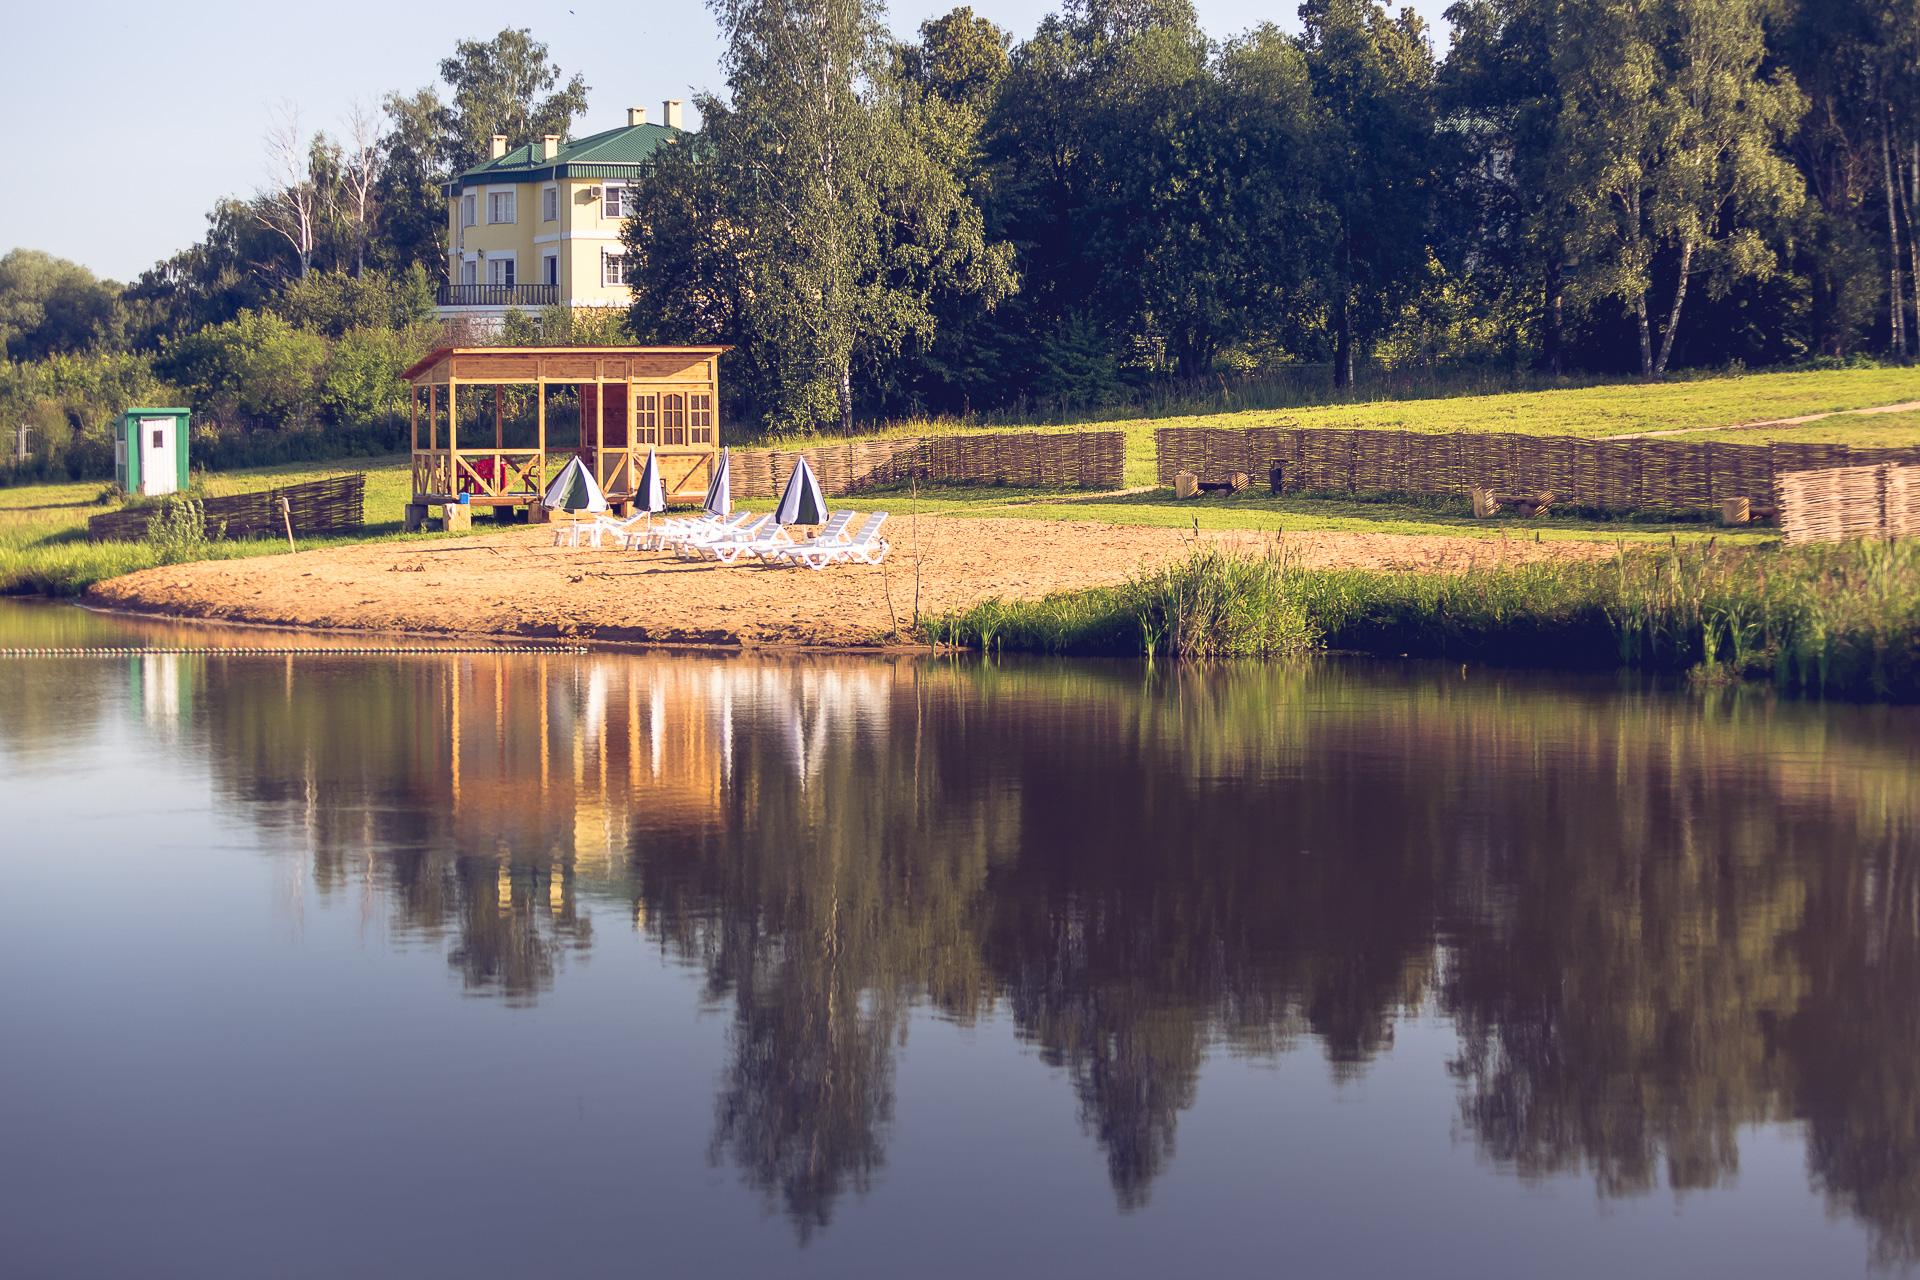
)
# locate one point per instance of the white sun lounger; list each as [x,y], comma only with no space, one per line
[686,529]
[759,536]
[832,534]
[865,546]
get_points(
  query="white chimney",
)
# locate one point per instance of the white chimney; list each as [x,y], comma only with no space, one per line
[549,146]
[497,147]
[636,116]
[670,113]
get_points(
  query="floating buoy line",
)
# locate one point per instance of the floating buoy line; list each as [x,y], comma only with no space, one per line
[237,651]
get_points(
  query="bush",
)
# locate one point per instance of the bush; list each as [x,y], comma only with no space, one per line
[177,531]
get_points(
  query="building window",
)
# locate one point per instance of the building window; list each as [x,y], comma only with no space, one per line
[499,270]
[550,268]
[700,418]
[646,419]
[468,272]
[549,204]
[159,438]
[612,200]
[613,269]
[469,210]
[673,420]
[500,206]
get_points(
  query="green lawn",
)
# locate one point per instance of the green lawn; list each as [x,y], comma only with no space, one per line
[1865,430]
[1592,412]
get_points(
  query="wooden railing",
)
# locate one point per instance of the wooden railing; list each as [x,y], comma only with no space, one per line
[498,295]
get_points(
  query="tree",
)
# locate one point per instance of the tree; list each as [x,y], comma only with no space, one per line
[1670,152]
[1500,103]
[291,205]
[49,305]
[360,162]
[506,85]
[822,206]
[414,160]
[1372,77]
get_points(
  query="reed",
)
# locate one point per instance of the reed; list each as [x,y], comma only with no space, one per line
[1838,620]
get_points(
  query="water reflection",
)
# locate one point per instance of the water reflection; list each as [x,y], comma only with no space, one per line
[1652,923]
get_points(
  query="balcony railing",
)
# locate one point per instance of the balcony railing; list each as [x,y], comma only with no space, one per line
[499,295]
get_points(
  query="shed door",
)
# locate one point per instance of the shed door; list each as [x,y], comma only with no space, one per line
[157,471]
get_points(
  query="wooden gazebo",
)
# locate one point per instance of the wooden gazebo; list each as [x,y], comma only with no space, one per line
[629,398]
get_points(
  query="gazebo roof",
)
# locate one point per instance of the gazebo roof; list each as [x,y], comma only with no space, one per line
[498,356]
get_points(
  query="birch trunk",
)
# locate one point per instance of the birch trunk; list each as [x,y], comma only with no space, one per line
[1673,318]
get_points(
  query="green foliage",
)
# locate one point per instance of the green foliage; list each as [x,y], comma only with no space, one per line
[334,302]
[49,306]
[821,206]
[506,85]
[256,370]
[177,531]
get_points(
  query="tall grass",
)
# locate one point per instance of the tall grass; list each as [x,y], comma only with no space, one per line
[1842,620]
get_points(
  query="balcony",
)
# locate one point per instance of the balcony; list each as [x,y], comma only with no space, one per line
[498,295]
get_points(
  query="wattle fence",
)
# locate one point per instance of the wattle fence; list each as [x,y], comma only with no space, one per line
[1623,475]
[1039,459]
[1849,502]
[334,505]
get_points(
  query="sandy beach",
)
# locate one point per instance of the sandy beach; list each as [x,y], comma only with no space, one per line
[517,584]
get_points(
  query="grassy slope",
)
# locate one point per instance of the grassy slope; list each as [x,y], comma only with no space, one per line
[1584,411]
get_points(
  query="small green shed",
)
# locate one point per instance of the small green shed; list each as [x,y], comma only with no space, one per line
[150,454]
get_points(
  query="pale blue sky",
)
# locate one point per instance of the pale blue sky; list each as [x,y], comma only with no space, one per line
[155,111]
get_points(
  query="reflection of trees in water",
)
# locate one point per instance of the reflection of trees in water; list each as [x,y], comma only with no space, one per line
[1651,923]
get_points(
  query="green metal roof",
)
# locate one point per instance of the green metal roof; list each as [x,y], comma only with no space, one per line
[600,155]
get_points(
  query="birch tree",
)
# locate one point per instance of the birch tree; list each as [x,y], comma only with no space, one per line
[1670,152]
[290,206]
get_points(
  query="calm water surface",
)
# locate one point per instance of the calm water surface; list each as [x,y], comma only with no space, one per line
[529,965]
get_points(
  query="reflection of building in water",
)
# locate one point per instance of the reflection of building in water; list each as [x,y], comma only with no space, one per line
[161,685]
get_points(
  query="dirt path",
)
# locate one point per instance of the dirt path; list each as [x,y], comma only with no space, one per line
[516,583]
[1907,406]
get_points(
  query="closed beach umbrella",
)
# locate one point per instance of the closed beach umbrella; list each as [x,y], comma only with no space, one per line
[801,502]
[648,494]
[719,499]
[574,490]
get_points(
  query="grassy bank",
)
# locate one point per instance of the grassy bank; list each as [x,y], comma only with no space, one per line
[44,548]
[1840,620]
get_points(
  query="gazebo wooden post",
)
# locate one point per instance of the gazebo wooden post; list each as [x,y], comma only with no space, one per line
[433,419]
[600,424]
[458,516]
[537,513]
[499,438]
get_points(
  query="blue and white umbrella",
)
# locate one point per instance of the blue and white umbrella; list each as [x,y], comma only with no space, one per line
[648,495]
[719,499]
[801,502]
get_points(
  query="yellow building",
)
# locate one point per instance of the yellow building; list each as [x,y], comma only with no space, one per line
[539,225]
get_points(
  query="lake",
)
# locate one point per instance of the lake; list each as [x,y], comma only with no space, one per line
[511,964]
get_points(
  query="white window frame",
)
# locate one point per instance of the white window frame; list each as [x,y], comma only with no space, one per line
[498,259]
[469,209]
[607,258]
[550,269]
[513,207]
[550,203]
[469,271]
[613,205]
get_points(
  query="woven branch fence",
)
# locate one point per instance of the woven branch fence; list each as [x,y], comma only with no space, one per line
[334,505]
[1849,502]
[1053,460]
[1623,475]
